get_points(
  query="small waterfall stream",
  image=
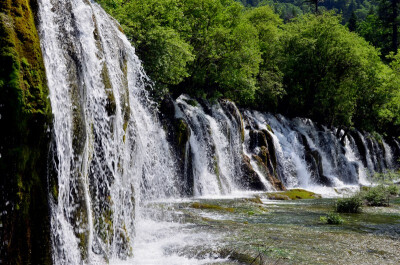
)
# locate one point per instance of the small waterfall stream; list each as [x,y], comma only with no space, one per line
[113,156]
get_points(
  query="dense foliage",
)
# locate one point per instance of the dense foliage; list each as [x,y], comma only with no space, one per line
[309,65]
[289,9]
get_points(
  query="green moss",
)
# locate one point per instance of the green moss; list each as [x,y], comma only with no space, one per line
[378,138]
[215,165]
[26,114]
[203,206]
[111,105]
[269,128]
[191,102]
[54,192]
[182,132]
[241,127]
[294,194]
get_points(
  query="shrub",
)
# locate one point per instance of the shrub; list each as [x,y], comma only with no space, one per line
[332,219]
[377,196]
[349,205]
[386,177]
[393,190]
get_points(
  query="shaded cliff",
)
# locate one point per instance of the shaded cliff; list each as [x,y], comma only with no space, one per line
[24,138]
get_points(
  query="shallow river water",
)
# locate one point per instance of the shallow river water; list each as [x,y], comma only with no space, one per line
[252,231]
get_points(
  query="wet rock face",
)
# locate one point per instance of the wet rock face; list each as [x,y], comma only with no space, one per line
[231,109]
[395,148]
[24,139]
[257,139]
[268,173]
[250,178]
[314,161]
[261,144]
[178,134]
[360,146]
[167,108]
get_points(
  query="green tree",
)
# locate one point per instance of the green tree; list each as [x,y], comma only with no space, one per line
[226,51]
[389,15]
[387,106]
[372,29]
[326,69]
[269,78]
[353,22]
[155,29]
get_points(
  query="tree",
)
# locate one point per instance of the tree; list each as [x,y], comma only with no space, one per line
[372,30]
[353,22]
[326,69]
[155,29]
[269,78]
[388,12]
[315,3]
[387,103]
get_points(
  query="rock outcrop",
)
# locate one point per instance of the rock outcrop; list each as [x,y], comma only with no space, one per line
[25,119]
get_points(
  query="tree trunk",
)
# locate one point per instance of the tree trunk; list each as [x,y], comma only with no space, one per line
[395,14]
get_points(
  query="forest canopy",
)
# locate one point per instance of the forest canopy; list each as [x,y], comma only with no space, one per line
[312,65]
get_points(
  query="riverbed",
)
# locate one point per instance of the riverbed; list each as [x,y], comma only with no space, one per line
[256,230]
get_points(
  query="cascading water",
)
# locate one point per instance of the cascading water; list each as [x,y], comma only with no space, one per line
[110,149]
[309,155]
[216,145]
[112,157]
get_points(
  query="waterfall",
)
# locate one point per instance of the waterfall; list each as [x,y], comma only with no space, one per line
[113,155]
[216,145]
[310,155]
[388,155]
[110,148]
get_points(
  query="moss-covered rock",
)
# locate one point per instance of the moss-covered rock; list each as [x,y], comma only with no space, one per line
[178,135]
[24,141]
[250,178]
[293,194]
[271,148]
[262,146]
[270,176]
[257,139]
[206,206]
[232,110]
